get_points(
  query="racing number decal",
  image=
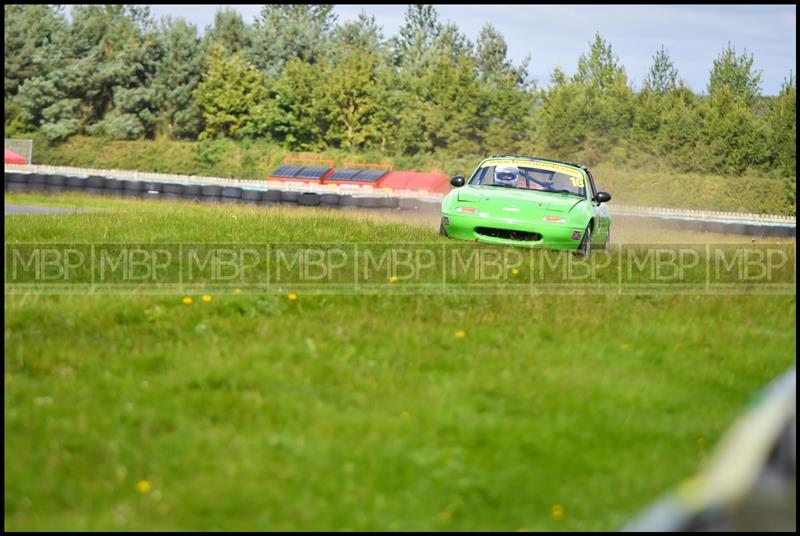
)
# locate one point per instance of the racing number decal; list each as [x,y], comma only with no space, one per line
[576,181]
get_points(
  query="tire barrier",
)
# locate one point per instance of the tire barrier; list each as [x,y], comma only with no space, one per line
[389,202]
[95,185]
[329,200]
[95,181]
[722,227]
[152,194]
[210,193]
[251,197]
[289,196]
[231,194]
[16,182]
[16,177]
[270,197]
[113,187]
[308,199]
[56,180]
[775,230]
[368,202]
[75,184]
[37,182]
[152,186]
[408,203]
[192,191]
[56,184]
[348,201]
[132,188]
[172,188]
[17,186]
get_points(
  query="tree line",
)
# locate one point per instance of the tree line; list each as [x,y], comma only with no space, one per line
[301,79]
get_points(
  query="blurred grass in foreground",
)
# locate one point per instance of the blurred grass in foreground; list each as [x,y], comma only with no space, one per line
[488,412]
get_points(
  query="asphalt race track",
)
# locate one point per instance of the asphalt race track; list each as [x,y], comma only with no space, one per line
[33,209]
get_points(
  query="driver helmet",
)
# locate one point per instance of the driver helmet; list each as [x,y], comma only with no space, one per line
[506,175]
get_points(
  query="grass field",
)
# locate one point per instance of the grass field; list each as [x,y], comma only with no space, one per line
[362,412]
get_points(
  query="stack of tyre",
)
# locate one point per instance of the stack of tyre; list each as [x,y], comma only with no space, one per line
[207,193]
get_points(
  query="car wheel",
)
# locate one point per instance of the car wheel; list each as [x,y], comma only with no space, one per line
[442,232]
[607,244]
[585,246]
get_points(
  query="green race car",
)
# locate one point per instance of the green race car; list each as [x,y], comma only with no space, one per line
[530,202]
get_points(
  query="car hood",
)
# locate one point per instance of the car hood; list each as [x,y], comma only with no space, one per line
[500,199]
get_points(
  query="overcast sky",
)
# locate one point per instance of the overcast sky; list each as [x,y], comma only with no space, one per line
[558,35]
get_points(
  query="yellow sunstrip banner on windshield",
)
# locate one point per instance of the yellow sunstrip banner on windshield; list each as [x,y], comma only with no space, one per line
[536,164]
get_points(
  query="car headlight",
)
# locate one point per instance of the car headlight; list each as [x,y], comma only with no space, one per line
[467,210]
[554,219]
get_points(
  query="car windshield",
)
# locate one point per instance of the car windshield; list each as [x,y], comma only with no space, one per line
[532,178]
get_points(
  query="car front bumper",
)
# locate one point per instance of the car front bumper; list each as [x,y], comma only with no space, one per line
[507,230]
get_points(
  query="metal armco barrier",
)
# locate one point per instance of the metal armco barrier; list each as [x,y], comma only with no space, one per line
[54,179]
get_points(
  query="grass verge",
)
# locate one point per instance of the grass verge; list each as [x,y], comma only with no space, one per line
[362,412]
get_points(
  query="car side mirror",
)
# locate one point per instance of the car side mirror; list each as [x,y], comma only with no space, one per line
[602,197]
[457,181]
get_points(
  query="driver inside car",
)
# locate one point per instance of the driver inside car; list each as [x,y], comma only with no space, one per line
[506,175]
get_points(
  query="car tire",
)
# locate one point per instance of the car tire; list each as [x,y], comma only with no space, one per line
[130,187]
[442,232]
[329,200]
[348,202]
[192,192]
[231,194]
[289,196]
[308,199]
[389,202]
[408,203]
[251,197]
[173,188]
[585,247]
[270,197]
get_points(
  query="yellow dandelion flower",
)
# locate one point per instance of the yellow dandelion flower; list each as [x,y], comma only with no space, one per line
[515,271]
[206,298]
[460,334]
[557,512]
[404,415]
[393,279]
[237,291]
[187,300]
[625,346]
[292,296]
[143,486]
